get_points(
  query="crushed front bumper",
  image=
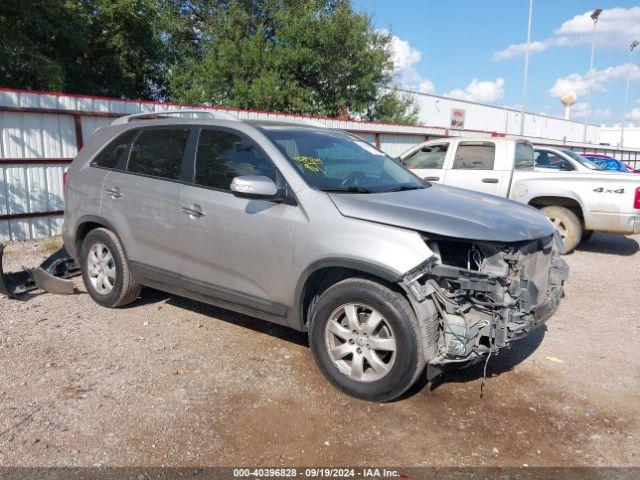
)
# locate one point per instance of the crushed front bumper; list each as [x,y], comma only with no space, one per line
[512,291]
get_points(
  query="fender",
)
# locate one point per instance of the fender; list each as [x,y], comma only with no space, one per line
[297,319]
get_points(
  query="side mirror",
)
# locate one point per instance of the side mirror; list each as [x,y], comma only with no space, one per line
[256,186]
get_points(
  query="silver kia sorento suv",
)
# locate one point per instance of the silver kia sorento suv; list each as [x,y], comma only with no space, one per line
[315,229]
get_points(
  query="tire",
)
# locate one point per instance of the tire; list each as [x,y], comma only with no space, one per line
[395,370]
[123,289]
[567,223]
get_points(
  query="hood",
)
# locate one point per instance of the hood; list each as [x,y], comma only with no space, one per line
[449,212]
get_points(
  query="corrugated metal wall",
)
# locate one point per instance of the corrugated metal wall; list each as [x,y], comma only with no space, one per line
[41,131]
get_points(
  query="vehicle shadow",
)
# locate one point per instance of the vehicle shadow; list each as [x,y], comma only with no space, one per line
[505,360]
[150,296]
[611,244]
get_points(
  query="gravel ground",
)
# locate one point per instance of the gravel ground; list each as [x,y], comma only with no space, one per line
[171,382]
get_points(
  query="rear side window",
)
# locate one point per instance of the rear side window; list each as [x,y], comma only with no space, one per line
[222,156]
[158,152]
[524,156]
[428,157]
[475,156]
[110,155]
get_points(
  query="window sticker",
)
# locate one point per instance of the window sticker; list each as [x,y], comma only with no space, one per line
[310,163]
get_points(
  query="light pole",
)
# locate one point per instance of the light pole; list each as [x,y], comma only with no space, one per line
[594,16]
[526,70]
[633,45]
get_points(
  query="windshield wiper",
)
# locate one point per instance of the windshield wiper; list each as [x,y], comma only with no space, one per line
[405,187]
[351,189]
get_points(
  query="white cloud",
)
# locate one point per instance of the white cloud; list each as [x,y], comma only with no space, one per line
[617,27]
[518,50]
[404,58]
[579,83]
[480,91]
[579,111]
[634,114]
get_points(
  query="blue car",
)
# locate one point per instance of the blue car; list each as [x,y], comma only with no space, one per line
[608,163]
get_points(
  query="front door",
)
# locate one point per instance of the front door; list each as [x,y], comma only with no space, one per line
[235,248]
[427,162]
[474,167]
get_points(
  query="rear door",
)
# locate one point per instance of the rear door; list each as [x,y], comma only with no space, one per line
[428,161]
[143,201]
[480,166]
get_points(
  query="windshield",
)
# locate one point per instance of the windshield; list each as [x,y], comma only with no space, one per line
[336,161]
[584,161]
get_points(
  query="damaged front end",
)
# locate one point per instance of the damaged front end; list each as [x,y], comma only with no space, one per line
[485,294]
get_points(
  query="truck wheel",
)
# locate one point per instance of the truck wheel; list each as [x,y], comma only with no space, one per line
[365,339]
[567,223]
[105,271]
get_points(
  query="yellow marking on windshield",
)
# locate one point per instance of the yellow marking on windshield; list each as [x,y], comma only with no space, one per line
[310,163]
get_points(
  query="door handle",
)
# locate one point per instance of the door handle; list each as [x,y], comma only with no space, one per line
[432,179]
[193,211]
[114,192]
[490,180]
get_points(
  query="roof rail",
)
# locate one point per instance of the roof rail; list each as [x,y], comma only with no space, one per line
[214,114]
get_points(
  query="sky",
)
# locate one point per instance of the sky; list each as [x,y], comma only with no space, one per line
[474,50]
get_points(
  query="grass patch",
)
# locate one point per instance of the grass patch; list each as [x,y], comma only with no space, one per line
[50,244]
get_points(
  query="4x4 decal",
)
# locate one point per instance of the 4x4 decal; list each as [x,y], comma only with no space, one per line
[607,190]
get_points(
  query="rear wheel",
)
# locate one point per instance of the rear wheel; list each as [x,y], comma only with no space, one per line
[105,270]
[568,225]
[365,339]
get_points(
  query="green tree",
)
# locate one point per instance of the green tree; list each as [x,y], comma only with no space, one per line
[104,47]
[313,57]
[394,107]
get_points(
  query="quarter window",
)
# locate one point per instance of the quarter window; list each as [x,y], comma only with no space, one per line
[110,156]
[158,152]
[475,156]
[222,156]
[431,156]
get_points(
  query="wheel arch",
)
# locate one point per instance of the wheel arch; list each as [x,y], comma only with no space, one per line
[87,224]
[322,274]
[571,203]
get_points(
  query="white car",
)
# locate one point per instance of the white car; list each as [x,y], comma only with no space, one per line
[578,198]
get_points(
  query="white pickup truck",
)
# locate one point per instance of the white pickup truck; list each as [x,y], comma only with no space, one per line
[578,198]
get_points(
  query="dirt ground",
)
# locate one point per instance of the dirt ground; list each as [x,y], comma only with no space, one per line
[171,382]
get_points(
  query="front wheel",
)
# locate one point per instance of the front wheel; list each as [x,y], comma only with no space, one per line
[366,340]
[568,225]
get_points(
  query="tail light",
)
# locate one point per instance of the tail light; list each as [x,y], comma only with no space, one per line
[636,203]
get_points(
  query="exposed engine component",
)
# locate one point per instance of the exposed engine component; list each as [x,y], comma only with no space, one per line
[487,294]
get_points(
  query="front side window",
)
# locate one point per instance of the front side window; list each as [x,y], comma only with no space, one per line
[431,156]
[545,159]
[110,156]
[524,156]
[222,156]
[336,161]
[158,152]
[475,156]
